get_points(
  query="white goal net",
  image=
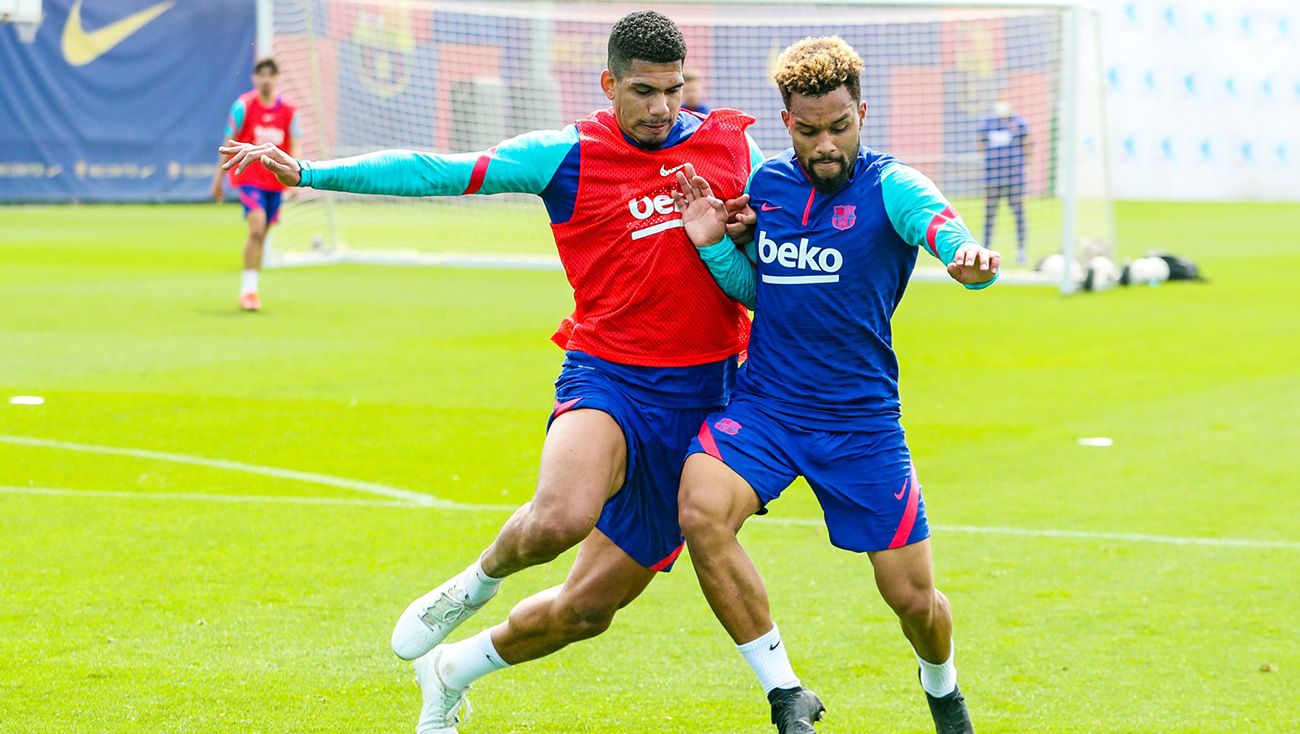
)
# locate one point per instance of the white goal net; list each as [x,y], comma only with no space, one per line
[999,103]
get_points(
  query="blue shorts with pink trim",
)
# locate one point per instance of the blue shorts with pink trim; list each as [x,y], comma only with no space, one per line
[641,517]
[864,480]
[268,201]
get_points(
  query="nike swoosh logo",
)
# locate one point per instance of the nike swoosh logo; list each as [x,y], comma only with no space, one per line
[80,47]
[670,171]
[901,492]
[768,207]
[774,646]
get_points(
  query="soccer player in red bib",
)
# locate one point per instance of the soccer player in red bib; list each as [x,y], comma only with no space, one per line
[650,350]
[259,116]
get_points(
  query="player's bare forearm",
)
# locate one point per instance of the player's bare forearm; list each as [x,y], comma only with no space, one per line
[218,189]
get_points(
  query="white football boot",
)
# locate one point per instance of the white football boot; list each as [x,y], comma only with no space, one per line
[429,619]
[440,711]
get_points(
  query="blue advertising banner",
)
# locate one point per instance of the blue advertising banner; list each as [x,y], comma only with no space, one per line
[120,100]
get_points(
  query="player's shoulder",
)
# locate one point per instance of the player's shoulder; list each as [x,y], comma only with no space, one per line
[775,175]
[779,167]
[878,161]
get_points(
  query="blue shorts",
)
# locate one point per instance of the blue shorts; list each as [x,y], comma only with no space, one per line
[864,480]
[641,518]
[254,198]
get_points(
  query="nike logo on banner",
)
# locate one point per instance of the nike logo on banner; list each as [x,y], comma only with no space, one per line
[670,171]
[768,207]
[80,47]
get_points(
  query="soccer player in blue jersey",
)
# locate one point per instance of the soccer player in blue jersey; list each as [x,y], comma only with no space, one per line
[838,229]
[650,352]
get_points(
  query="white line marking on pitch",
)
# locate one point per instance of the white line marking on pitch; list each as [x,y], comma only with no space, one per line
[418,499]
[200,496]
[249,498]
[1079,534]
[381,490]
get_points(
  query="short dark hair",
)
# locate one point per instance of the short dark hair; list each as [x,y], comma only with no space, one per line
[266,62]
[644,35]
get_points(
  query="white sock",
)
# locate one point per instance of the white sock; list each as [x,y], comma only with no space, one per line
[478,586]
[248,283]
[466,661]
[768,658]
[939,679]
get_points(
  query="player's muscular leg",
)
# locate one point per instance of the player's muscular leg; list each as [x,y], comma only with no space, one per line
[602,581]
[906,581]
[584,461]
[256,236]
[713,503]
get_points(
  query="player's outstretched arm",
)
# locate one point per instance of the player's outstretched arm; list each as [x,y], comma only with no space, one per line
[524,164]
[924,218]
[278,162]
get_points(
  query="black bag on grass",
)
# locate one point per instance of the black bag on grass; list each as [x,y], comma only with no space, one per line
[1180,268]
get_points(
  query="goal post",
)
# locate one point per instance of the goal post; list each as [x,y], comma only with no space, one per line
[1000,103]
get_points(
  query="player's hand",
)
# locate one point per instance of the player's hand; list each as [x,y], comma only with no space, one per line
[973,264]
[282,165]
[704,216]
[740,226]
[218,191]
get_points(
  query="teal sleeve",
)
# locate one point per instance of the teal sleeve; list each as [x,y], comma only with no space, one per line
[755,157]
[732,269]
[235,122]
[923,217]
[523,164]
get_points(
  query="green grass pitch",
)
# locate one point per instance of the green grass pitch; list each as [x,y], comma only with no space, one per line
[193,590]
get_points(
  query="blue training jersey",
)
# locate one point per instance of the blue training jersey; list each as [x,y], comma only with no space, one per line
[824,275]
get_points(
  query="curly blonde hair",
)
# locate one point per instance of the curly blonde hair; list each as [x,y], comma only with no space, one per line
[817,66]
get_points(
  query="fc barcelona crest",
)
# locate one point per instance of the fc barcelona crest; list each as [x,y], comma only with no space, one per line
[845,216]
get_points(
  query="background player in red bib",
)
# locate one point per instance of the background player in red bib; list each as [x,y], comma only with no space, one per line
[650,351]
[259,116]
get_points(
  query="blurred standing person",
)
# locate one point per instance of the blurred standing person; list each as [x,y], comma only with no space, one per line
[1004,142]
[258,116]
[693,92]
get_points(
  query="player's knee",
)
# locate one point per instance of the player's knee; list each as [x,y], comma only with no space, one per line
[585,618]
[702,510]
[548,533]
[699,517]
[257,223]
[914,602]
